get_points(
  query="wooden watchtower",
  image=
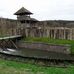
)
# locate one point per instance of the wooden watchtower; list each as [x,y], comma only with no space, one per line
[27,23]
[23,15]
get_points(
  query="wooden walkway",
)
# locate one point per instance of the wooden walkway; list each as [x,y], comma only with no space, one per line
[10,37]
[9,42]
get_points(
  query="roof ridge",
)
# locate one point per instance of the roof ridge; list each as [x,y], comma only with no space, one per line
[22,11]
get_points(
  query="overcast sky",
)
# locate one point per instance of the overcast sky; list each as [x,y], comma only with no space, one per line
[42,9]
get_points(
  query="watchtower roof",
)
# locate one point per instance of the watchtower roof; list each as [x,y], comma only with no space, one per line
[34,20]
[23,11]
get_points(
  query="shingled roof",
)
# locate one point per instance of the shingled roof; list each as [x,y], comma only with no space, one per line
[22,11]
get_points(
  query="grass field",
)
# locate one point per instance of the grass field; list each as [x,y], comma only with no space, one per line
[12,67]
[51,41]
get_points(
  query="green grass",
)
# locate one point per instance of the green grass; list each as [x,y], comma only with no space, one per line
[51,41]
[12,67]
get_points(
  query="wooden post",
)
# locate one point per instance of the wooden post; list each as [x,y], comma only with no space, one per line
[50,33]
[70,34]
[14,44]
[54,33]
[47,32]
[64,33]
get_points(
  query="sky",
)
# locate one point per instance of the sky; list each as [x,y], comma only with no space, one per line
[42,9]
